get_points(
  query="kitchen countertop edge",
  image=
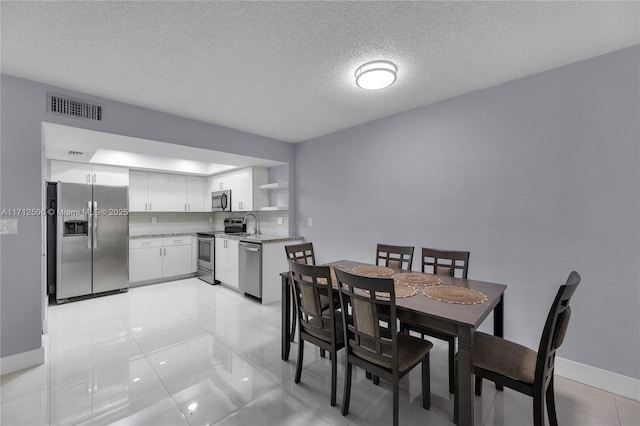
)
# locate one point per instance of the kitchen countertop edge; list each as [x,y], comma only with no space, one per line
[261,238]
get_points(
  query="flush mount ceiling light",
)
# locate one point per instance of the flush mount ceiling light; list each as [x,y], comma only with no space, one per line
[376,75]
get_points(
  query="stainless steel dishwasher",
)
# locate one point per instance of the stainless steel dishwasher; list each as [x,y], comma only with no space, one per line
[250,262]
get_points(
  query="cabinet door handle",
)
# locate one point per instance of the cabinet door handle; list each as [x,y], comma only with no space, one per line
[88,177]
[189,206]
[185,207]
[149,206]
[145,206]
[161,251]
[165,252]
[94,178]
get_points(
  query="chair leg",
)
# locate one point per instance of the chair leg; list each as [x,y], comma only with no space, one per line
[478,385]
[294,317]
[396,402]
[538,409]
[551,404]
[346,395]
[334,378]
[426,382]
[300,356]
[452,355]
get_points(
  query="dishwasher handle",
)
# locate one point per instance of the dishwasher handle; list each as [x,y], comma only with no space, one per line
[249,247]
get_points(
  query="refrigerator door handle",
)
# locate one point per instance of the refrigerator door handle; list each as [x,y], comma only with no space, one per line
[95,224]
[89,220]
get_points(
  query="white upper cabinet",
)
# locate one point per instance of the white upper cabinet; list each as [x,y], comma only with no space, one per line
[246,194]
[162,192]
[67,171]
[158,194]
[177,193]
[148,191]
[195,194]
[138,191]
[186,193]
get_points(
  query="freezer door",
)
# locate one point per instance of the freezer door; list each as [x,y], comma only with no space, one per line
[73,241]
[110,238]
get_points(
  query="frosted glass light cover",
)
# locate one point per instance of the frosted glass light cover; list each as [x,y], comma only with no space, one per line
[376,75]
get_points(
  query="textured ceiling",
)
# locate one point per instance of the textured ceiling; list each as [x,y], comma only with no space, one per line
[285,69]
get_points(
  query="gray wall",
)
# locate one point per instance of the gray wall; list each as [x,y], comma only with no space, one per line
[535,177]
[23,108]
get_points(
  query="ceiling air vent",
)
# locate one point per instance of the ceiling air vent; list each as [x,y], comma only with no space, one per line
[75,153]
[72,107]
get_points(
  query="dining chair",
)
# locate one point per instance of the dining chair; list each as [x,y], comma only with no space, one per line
[522,369]
[301,253]
[379,350]
[397,257]
[442,262]
[321,327]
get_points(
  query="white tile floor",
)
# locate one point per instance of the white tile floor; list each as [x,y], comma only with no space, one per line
[187,353]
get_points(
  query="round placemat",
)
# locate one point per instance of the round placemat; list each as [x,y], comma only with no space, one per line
[402,290]
[334,279]
[453,294]
[414,278]
[372,271]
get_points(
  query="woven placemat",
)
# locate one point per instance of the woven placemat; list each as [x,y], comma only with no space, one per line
[453,294]
[334,279]
[372,271]
[402,290]
[413,278]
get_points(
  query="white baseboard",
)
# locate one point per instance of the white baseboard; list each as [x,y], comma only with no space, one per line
[16,362]
[598,378]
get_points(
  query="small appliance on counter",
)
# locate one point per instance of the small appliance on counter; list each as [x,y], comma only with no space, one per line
[206,247]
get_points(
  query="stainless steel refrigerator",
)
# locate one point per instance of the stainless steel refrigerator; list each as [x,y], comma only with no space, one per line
[92,239]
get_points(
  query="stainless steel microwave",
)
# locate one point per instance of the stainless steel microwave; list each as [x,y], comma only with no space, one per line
[221,201]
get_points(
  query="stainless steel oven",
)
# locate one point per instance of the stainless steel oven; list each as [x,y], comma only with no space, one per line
[207,247]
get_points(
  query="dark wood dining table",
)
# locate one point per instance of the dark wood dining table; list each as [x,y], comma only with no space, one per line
[456,319]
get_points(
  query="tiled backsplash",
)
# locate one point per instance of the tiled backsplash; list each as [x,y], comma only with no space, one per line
[268,221]
[142,222]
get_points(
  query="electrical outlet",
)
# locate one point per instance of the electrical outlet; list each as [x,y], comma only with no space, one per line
[9,226]
[153,219]
[210,219]
[310,222]
[280,220]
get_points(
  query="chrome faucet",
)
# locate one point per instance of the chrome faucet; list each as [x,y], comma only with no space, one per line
[256,229]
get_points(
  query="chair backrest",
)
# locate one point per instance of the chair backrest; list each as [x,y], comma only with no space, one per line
[309,282]
[554,330]
[301,253]
[364,302]
[445,262]
[398,257]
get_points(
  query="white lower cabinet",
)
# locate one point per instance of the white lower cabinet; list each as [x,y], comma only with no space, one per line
[145,259]
[227,262]
[155,258]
